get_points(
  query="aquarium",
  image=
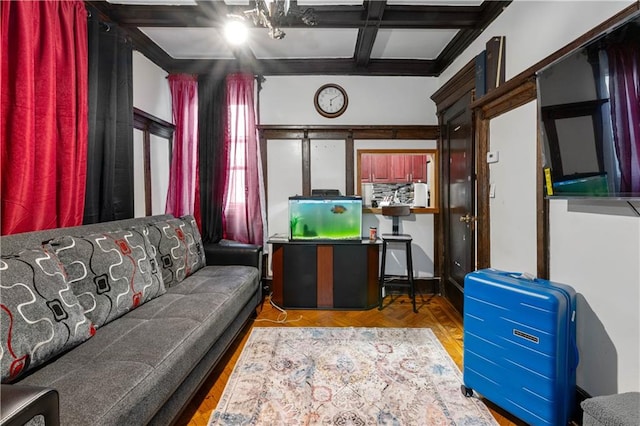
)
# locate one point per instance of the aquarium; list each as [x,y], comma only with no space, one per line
[325,218]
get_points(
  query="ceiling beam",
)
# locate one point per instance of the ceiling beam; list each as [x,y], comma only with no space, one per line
[367,34]
[214,13]
[464,37]
[381,67]
[368,18]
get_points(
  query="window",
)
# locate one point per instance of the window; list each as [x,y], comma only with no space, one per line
[236,196]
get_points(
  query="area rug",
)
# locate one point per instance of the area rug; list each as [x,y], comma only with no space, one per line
[346,376]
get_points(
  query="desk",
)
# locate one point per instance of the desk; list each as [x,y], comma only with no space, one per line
[325,275]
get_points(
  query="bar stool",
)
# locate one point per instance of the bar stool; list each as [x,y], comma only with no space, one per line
[395,237]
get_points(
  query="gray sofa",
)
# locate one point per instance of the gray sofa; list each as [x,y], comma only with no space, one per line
[144,366]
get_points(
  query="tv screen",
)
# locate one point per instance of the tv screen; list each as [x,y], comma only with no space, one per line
[325,218]
[589,117]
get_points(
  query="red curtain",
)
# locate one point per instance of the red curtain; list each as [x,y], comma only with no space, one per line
[242,213]
[43,114]
[183,176]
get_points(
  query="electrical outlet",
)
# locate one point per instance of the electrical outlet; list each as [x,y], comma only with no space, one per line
[492,157]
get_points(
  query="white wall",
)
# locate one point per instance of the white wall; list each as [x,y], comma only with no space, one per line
[151,91]
[372,101]
[151,94]
[595,248]
[513,210]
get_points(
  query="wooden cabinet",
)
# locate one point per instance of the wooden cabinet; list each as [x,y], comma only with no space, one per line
[399,172]
[309,275]
[417,165]
[375,168]
[365,168]
[408,168]
[393,168]
[380,169]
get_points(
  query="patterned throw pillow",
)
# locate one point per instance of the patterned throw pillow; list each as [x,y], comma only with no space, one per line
[40,316]
[194,244]
[111,273]
[179,253]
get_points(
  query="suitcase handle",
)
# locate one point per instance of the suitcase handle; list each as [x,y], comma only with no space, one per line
[519,275]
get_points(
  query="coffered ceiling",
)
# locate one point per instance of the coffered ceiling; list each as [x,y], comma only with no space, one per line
[352,37]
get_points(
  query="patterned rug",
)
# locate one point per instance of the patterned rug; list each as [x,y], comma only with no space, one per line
[346,376]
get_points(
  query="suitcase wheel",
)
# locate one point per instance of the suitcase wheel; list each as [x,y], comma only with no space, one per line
[468,392]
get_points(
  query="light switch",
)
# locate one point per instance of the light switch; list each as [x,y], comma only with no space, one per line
[492,190]
[492,157]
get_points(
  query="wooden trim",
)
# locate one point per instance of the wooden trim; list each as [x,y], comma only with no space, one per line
[324,276]
[532,70]
[542,211]
[463,82]
[355,132]
[306,166]
[277,265]
[150,124]
[518,96]
[146,148]
[263,160]
[438,251]
[483,240]
[373,266]
[144,121]
[349,184]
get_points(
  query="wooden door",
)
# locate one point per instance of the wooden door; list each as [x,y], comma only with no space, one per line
[458,166]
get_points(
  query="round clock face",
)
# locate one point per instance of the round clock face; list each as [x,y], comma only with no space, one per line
[331,100]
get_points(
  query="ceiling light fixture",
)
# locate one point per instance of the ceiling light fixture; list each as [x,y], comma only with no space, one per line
[274,14]
[235,31]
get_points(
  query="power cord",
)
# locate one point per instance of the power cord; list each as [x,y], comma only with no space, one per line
[282,316]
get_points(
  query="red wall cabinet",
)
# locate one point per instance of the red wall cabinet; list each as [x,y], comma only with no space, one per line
[393,168]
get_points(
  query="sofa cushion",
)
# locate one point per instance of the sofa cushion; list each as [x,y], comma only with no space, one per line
[111,273]
[178,252]
[40,317]
[133,365]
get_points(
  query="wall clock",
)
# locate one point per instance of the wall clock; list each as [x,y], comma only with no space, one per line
[331,100]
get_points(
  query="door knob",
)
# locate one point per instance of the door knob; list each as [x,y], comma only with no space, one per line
[467,218]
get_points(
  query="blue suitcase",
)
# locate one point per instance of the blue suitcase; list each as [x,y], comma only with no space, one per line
[520,345]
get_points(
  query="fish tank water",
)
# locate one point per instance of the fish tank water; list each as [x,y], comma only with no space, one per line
[325,218]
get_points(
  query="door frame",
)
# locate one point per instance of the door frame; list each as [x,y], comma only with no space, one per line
[452,288]
[513,94]
[455,89]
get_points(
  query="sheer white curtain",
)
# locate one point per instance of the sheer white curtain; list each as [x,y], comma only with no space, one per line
[243,218]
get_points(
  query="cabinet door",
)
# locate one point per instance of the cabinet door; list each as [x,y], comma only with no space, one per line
[399,170]
[365,168]
[418,167]
[381,168]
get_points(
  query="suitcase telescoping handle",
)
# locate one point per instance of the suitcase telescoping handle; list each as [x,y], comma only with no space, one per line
[530,277]
[519,275]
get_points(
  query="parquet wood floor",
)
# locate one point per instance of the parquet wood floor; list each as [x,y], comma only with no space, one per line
[434,312]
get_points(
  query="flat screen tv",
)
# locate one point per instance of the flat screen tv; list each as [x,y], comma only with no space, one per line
[590,117]
[325,218]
